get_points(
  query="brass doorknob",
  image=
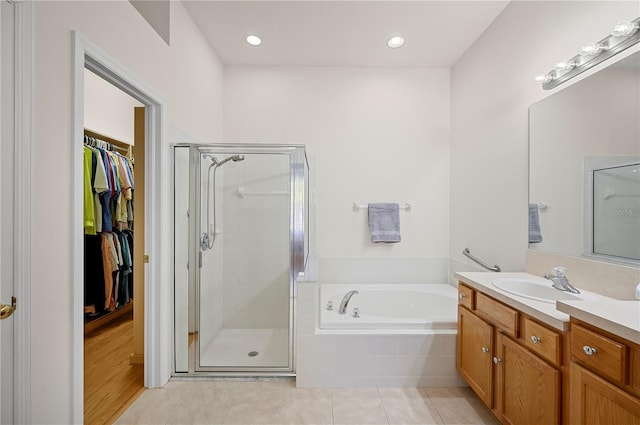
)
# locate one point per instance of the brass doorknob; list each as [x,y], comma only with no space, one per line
[7,310]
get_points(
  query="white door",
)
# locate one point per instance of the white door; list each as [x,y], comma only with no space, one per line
[6,210]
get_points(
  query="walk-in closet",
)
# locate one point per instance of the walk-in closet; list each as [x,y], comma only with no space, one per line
[113,219]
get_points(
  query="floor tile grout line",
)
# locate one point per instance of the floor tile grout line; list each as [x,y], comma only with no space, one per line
[235,394]
[384,409]
[333,418]
[435,407]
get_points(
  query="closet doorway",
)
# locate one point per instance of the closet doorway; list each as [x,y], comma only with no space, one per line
[113,163]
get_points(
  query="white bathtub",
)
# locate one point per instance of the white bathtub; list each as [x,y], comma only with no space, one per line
[390,306]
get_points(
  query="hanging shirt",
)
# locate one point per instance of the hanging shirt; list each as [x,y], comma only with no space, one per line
[89,209]
[99,184]
[105,197]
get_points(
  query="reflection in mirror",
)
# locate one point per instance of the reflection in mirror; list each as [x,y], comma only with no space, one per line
[584,146]
[616,211]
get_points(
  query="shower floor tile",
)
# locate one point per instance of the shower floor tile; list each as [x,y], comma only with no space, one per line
[232,347]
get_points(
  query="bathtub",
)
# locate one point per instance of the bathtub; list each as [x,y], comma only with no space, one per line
[390,307]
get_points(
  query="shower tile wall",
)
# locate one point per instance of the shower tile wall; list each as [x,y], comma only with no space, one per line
[256,243]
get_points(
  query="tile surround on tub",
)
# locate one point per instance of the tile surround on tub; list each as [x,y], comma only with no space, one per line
[352,360]
[611,280]
[356,360]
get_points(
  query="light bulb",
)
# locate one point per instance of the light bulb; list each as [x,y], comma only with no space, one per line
[564,65]
[254,40]
[591,49]
[542,78]
[395,42]
[624,28]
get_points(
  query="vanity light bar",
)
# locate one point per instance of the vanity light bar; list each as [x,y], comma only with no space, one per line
[624,35]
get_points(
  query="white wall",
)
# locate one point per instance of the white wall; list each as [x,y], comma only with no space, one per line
[107,109]
[186,74]
[491,92]
[378,135]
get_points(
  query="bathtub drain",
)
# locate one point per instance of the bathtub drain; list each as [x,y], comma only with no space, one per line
[253,353]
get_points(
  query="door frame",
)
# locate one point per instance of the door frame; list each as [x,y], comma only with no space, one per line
[24,71]
[157,339]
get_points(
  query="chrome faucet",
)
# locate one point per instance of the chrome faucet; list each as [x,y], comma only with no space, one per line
[345,301]
[560,280]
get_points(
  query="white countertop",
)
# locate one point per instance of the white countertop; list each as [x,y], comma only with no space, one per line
[545,312]
[621,318]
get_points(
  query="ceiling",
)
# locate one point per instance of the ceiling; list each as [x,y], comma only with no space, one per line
[342,33]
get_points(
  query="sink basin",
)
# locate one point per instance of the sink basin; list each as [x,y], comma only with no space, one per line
[537,290]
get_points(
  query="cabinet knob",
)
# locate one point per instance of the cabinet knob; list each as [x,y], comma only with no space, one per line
[461,296]
[589,351]
[496,360]
[535,339]
[485,350]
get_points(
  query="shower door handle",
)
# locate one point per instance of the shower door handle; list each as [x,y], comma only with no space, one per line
[200,259]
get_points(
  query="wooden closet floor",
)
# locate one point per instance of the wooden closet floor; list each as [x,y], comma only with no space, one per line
[111,384]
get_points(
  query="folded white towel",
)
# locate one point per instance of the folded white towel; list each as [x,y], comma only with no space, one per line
[384,222]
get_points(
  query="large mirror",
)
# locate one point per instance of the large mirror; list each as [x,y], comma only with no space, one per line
[584,167]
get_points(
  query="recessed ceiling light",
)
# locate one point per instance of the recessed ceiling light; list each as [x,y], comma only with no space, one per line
[395,42]
[254,40]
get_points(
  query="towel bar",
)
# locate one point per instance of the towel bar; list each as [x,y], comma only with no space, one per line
[357,206]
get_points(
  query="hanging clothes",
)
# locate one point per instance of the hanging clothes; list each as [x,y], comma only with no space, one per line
[89,208]
[108,210]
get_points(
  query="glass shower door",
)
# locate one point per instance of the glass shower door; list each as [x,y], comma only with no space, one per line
[244,290]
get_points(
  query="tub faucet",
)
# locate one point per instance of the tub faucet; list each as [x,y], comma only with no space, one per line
[560,280]
[345,301]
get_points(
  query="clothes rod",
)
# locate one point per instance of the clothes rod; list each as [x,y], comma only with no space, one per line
[357,206]
[495,268]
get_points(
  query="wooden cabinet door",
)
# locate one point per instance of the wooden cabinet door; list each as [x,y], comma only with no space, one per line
[595,401]
[527,389]
[475,348]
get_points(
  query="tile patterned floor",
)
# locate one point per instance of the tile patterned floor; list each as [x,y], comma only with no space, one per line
[281,403]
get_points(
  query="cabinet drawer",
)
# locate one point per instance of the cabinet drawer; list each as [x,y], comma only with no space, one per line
[502,316]
[604,356]
[634,379]
[465,296]
[542,340]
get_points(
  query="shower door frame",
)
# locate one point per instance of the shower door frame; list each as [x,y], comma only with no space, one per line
[298,183]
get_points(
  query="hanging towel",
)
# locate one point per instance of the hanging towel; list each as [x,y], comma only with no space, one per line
[535,236]
[384,222]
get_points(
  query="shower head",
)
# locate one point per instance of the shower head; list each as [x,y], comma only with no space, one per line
[234,158]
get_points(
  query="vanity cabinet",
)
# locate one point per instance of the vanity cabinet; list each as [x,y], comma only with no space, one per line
[527,389]
[475,347]
[511,361]
[604,377]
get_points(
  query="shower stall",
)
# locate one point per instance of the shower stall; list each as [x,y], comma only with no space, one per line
[241,241]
